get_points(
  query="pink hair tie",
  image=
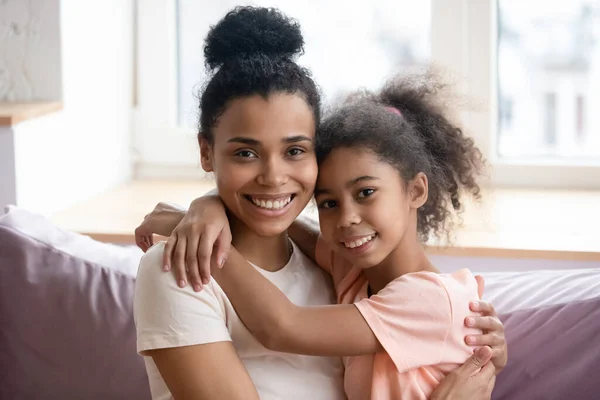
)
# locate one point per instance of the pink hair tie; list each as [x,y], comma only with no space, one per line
[394,110]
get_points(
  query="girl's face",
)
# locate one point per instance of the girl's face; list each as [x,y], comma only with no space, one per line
[365,208]
[263,160]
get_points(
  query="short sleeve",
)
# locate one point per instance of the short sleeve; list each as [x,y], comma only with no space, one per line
[411,317]
[169,316]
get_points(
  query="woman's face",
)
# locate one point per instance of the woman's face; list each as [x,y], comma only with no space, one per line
[263,160]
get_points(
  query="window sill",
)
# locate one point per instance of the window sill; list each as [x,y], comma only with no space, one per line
[509,223]
[13,113]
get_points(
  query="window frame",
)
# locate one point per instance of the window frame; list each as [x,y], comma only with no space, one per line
[463,41]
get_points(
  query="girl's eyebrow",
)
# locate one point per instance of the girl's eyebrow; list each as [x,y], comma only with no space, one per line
[349,184]
[363,178]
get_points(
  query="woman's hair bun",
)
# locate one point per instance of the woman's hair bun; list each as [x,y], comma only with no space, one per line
[248,31]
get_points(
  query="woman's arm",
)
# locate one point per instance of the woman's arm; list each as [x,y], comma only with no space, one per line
[280,325]
[186,335]
[474,380]
[193,372]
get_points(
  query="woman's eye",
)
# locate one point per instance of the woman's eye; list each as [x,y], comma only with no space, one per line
[295,151]
[327,204]
[365,193]
[245,154]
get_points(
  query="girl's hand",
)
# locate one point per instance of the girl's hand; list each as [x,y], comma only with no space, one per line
[474,380]
[190,247]
[161,221]
[492,328]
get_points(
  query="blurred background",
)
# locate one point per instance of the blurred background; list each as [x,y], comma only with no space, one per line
[98,99]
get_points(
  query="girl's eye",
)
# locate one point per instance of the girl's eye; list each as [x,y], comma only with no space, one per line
[327,204]
[245,154]
[295,151]
[365,193]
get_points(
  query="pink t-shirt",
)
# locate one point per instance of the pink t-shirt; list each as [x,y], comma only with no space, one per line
[419,320]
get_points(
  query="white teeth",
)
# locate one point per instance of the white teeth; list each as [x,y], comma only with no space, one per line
[359,242]
[271,204]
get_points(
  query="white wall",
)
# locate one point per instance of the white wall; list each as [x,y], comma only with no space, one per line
[84,149]
[8,193]
[30,50]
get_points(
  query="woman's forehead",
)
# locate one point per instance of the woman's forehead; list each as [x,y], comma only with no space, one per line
[266,118]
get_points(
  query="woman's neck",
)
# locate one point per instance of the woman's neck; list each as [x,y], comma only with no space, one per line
[408,257]
[270,253]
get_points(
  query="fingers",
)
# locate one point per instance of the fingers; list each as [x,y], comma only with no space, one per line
[140,239]
[499,357]
[488,324]
[191,259]
[490,388]
[168,252]
[480,285]
[177,260]
[479,358]
[483,307]
[488,339]
[204,254]
[223,245]
[488,372]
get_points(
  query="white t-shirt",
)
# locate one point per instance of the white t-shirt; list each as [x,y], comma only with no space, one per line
[168,316]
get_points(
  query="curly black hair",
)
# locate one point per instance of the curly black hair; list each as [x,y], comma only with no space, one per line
[418,137]
[251,51]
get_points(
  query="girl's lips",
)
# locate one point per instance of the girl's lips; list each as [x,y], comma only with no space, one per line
[355,251]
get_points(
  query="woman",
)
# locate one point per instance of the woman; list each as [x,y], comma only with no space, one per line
[258,117]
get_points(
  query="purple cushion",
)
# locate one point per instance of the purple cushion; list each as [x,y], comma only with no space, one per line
[553,353]
[66,323]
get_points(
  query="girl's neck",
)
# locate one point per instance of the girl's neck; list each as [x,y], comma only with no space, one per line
[408,257]
[270,253]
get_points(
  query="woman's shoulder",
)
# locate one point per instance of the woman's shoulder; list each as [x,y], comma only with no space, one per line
[154,281]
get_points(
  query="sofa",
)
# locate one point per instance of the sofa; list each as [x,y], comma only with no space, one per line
[67,331]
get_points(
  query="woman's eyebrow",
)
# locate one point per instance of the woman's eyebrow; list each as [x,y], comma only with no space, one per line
[297,138]
[254,142]
[243,140]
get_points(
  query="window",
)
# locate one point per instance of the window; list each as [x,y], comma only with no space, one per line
[531,70]
[346,45]
[548,65]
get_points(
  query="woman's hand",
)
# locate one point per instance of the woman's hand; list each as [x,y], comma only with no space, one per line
[474,380]
[190,247]
[161,221]
[492,330]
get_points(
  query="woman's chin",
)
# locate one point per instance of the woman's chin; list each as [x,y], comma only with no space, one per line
[270,228]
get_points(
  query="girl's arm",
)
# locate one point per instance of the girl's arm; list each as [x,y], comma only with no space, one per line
[193,234]
[338,330]
[305,231]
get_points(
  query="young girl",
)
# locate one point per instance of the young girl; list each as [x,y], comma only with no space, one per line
[392,171]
